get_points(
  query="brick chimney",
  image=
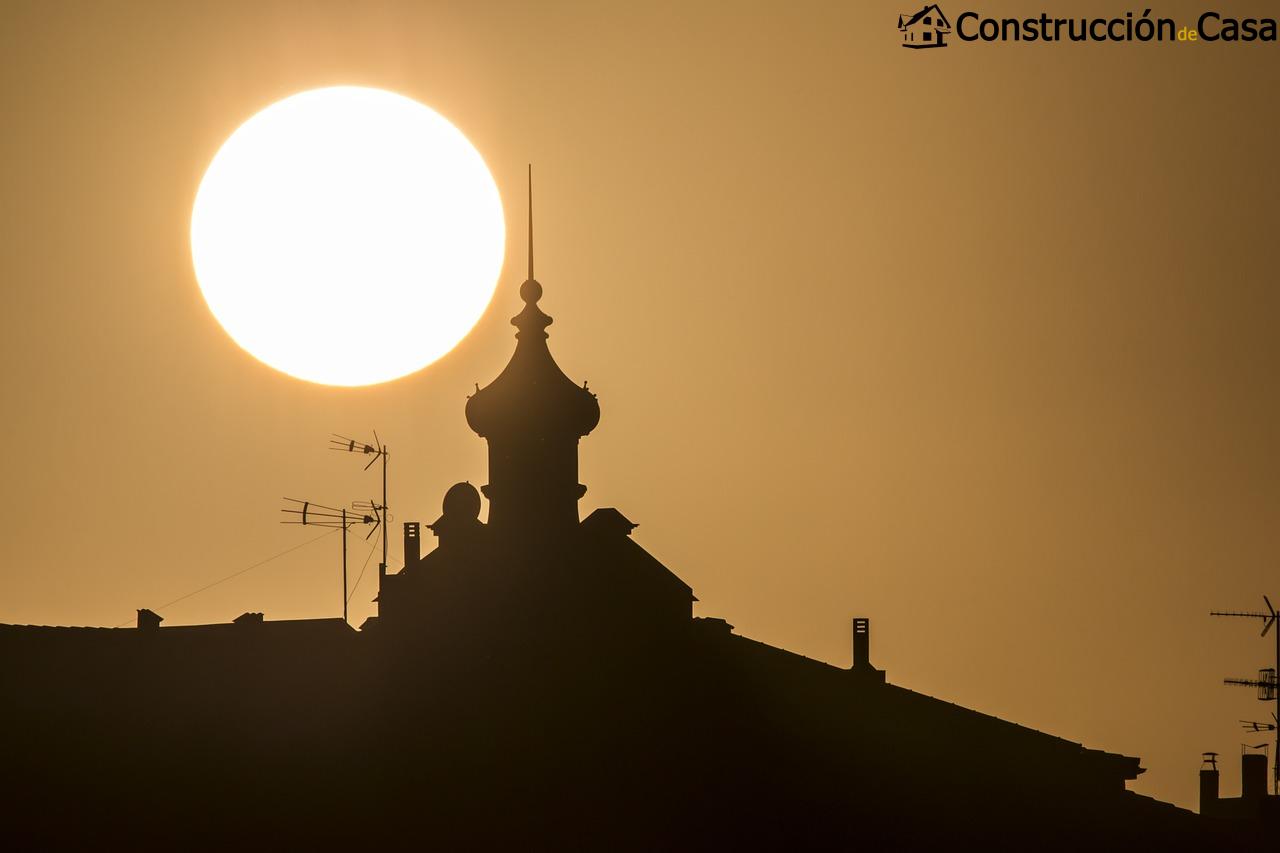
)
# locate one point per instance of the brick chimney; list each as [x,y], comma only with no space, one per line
[861,643]
[149,620]
[1209,783]
[1253,776]
[412,543]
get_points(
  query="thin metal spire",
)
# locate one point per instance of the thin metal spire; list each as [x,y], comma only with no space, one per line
[530,221]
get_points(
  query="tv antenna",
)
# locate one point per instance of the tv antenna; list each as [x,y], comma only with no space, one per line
[1266,681]
[319,515]
[377,450]
[1252,726]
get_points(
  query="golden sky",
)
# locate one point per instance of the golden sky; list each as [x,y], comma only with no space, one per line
[977,342]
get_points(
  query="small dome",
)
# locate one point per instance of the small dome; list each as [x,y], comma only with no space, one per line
[462,501]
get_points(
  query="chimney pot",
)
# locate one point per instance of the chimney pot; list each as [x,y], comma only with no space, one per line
[1209,783]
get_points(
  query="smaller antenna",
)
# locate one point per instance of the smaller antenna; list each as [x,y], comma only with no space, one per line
[1269,617]
[1265,682]
[370,507]
[1251,726]
[318,515]
[350,445]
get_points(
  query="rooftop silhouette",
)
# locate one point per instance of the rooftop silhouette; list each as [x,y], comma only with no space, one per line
[533,681]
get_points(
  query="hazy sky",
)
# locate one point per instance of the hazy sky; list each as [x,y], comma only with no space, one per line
[977,342]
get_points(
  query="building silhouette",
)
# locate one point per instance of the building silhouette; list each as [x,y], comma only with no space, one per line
[536,680]
[926,28]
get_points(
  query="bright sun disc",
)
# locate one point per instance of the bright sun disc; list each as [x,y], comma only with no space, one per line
[347,236]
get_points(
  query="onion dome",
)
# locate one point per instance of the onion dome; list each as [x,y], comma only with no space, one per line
[532,395]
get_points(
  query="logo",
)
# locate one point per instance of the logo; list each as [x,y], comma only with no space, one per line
[929,28]
[926,28]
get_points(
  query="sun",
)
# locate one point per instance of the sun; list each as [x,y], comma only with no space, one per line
[347,236]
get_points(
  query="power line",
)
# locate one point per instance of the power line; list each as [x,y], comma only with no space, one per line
[241,572]
[360,576]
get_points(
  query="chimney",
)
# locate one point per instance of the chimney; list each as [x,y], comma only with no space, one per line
[1253,776]
[1209,783]
[412,544]
[861,643]
[149,620]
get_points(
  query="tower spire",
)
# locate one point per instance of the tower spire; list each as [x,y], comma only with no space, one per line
[531,319]
[531,222]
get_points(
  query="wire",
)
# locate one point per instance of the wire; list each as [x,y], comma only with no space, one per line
[360,576]
[242,571]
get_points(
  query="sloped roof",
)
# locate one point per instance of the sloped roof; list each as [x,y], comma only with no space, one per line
[608,525]
[931,8]
[608,521]
[959,721]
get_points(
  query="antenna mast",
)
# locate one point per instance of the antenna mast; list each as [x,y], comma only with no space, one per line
[377,450]
[1265,682]
[319,515]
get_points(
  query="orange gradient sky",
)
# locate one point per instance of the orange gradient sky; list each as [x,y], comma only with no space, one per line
[977,342]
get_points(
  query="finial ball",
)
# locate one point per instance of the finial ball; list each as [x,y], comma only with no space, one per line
[530,291]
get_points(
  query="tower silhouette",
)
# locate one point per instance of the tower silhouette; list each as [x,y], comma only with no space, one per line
[532,417]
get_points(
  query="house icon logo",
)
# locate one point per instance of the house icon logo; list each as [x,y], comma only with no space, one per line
[926,28]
